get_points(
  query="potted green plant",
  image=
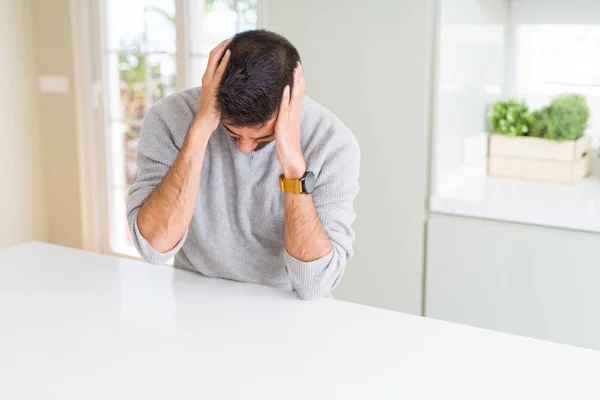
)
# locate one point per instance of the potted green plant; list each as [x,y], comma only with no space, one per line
[547,144]
[510,118]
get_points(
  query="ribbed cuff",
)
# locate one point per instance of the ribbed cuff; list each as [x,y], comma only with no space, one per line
[312,280]
[148,252]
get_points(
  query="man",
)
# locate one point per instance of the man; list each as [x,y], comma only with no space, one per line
[214,161]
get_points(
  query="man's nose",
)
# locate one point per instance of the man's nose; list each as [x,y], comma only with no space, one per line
[246,146]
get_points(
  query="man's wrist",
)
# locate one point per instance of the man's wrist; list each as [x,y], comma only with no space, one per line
[295,170]
[198,133]
[195,143]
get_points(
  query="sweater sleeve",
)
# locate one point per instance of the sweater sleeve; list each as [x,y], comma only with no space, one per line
[156,153]
[334,193]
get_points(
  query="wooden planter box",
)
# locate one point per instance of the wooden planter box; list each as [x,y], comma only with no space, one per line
[540,159]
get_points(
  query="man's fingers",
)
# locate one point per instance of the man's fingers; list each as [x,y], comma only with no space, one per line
[302,80]
[299,85]
[221,69]
[299,89]
[213,59]
[285,102]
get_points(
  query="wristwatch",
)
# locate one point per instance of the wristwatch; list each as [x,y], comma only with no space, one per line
[304,185]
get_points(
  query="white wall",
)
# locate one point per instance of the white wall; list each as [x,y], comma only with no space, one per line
[470,74]
[22,198]
[369,63]
[57,123]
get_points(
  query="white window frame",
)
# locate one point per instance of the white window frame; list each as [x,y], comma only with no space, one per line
[87,22]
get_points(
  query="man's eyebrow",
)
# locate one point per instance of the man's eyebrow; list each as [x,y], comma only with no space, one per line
[264,137]
[230,131]
[236,134]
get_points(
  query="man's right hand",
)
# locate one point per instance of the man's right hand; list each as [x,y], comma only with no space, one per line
[208,116]
[167,213]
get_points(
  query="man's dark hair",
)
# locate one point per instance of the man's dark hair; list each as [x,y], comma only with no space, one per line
[260,65]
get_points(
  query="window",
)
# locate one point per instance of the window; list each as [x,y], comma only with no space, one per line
[531,50]
[153,48]
[556,59]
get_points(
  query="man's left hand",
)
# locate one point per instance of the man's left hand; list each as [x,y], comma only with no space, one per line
[287,128]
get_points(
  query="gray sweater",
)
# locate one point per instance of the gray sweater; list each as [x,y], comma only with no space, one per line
[237,230]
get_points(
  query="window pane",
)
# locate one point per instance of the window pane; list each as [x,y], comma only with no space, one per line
[140,69]
[131,138]
[122,146]
[120,234]
[140,25]
[136,81]
[140,50]
[212,21]
[196,68]
[562,53]
[132,85]
[160,26]
[162,76]
[116,154]
[556,59]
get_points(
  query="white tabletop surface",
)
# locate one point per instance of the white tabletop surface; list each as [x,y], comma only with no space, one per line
[468,191]
[76,325]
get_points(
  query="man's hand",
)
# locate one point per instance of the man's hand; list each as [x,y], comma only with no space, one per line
[167,213]
[207,117]
[305,237]
[287,128]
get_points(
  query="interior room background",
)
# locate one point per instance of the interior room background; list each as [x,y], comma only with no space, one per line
[412,79]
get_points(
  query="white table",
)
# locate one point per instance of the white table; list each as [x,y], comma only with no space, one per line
[76,325]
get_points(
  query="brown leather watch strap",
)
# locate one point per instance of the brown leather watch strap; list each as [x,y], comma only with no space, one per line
[290,185]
